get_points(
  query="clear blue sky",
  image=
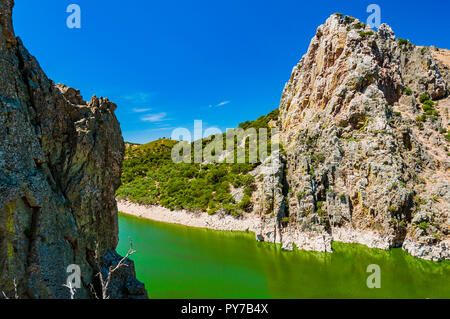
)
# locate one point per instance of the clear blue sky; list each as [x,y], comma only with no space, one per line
[168,63]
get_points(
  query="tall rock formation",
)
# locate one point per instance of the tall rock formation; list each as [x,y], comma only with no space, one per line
[60,165]
[366,150]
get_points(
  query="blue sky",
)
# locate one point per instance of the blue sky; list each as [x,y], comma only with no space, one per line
[168,63]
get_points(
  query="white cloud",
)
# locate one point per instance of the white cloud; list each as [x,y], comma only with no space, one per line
[137,110]
[223,103]
[220,104]
[139,98]
[154,117]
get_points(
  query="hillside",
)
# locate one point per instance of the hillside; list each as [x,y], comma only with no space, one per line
[150,177]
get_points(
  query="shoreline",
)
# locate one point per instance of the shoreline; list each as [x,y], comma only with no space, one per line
[268,231]
[190,219]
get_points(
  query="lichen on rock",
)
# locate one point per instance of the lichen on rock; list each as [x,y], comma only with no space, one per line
[60,165]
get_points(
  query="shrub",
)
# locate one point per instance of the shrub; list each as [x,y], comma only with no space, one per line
[392,209]
[248,191]
[407,91]
[403,42]
[212,211]
[424,97]
[447,137]
[321,212]
[421,118]
[245,203]
[285,220]
[318,158]
[359,25]
[429,103]
[300,196]
[365,34]
[427,107]
[231,210]
[424,226]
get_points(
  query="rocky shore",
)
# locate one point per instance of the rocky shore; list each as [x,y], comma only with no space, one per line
[265,230]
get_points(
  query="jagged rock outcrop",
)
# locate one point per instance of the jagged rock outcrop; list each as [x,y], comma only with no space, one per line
[60,165]
[366,161]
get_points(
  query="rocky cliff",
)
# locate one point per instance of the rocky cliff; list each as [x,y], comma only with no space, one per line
[60,165]
[363,121]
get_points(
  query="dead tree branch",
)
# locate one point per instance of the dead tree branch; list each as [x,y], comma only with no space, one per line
[112,269]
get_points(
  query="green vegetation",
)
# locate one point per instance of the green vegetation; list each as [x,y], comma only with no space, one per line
[261,122]
[405,44]
[365,34]
[447,137]
[150,177]
[403,41]
[424,97]
[320,211]
[359,25]
[420,120]
[300,196]
[317,158]
[428,108]
[407,91]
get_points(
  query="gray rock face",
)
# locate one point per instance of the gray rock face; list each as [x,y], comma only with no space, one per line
[60,165]
[360,165]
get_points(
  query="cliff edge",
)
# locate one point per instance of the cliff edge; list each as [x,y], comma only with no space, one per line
[364,121]
[60,165]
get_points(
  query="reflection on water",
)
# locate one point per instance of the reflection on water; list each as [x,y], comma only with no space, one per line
[180,262]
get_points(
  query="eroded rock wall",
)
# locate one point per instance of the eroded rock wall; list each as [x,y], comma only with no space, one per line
[60,165]
[364,162]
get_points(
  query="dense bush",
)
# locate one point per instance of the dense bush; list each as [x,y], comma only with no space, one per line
[424,97]
[407,91]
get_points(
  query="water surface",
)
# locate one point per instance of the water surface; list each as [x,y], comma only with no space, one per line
[176,261]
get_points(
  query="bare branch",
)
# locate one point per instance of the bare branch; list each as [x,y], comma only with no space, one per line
[105,283]
[91,286]
[71,289]
[16,295]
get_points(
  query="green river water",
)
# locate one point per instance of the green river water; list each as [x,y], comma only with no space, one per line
[175,261]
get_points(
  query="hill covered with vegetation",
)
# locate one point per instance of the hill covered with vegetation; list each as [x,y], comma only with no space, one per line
[150,177]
